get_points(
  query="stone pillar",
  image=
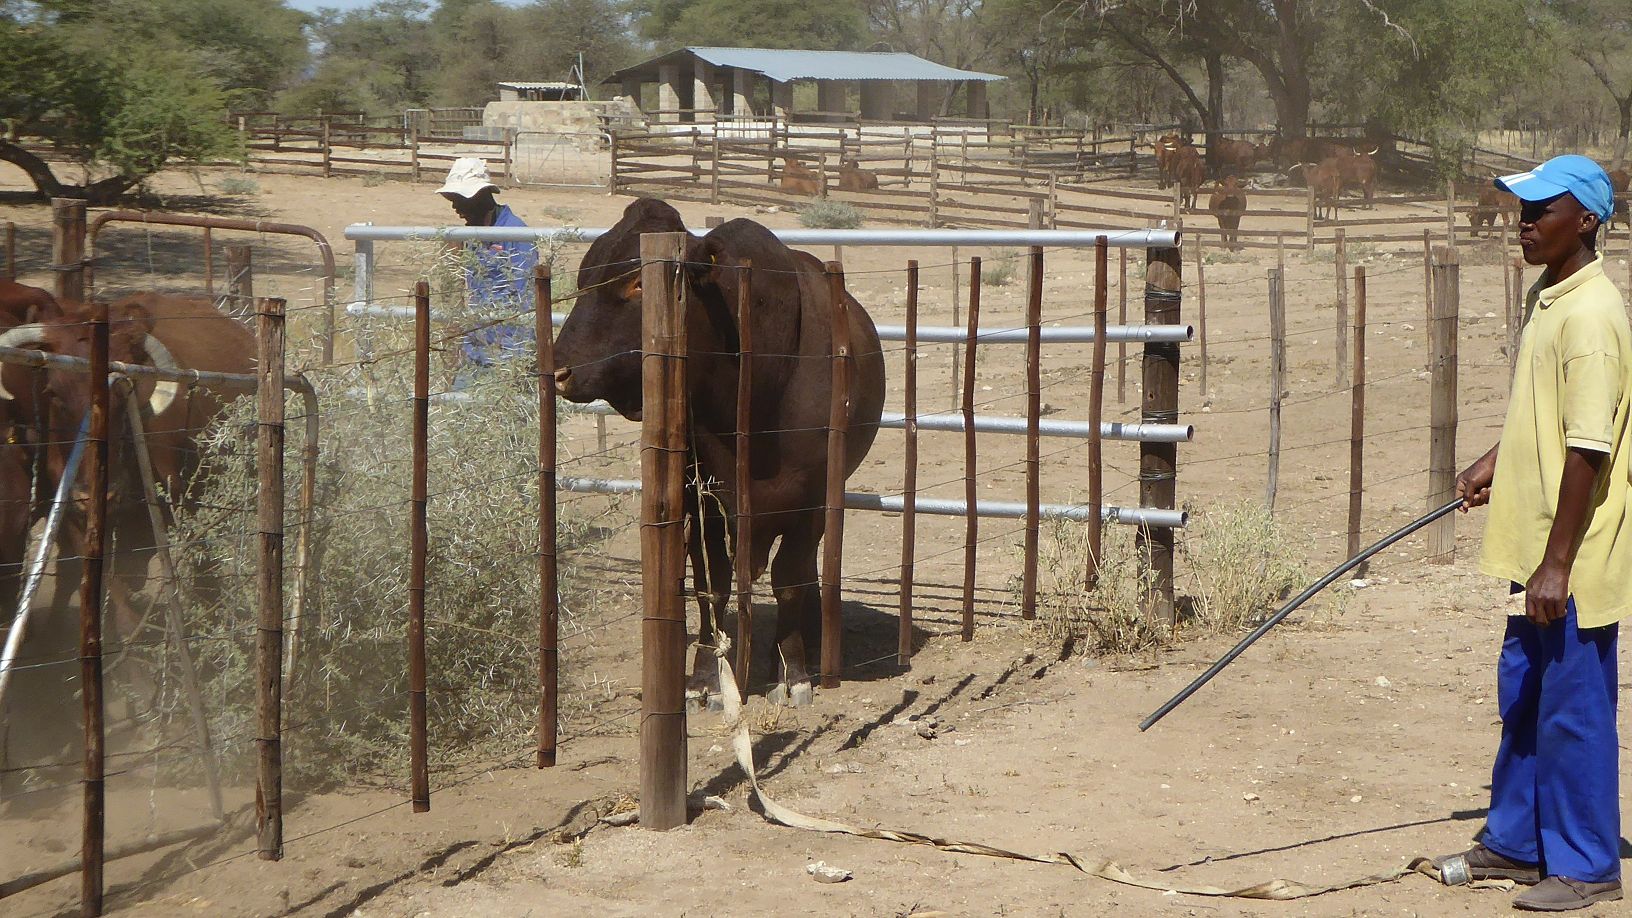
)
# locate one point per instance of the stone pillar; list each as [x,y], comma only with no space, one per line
[781,98]
[877,99]
[668,91]
[702,87]
[742,99]
[830,96]
[929,100]
[977,100]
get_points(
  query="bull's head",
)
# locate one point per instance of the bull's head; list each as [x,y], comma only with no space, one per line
[597,355]
[130,340]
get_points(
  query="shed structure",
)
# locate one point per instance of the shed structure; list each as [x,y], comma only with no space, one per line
[701,84]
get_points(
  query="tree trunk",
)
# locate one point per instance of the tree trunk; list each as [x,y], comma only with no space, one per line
[1212,117]
[1624,103]
[103,191]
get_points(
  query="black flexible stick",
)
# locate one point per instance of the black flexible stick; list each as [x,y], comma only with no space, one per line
[1287,609]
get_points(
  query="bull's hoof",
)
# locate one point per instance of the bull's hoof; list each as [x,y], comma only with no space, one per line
[796,696]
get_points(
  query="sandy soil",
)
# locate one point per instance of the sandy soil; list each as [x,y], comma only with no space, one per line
[1346,742]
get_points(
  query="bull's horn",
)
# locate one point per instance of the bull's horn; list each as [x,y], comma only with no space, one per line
[164,393]
[20,336]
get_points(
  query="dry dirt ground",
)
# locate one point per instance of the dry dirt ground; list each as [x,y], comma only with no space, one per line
[1346,742]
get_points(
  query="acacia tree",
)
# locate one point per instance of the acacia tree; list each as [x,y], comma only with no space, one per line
[118,115]
[1599,34]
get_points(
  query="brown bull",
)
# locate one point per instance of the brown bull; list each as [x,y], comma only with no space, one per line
[1227,204]
[165,331]
[1234,156]
[1167,148]
[1359,170]
[1325,179]
[1492,202]
[854,178]
[598,357]
[796,179]
[19,304]
[1189,172]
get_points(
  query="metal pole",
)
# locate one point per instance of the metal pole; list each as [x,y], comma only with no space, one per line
[93,841]
[1096,408]
[1034,416]
[418,741]
[269,586]
[838,424]
[971,532]
[1357,417]
[1201,313]
[909,486]
[549,621]
[663,459]
[1122,319]
[1158,462]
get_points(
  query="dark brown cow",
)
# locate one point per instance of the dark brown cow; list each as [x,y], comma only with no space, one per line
[854,178]
[1189,171]
[19,304]
[1326,180]
[796,179]
[1492,202]
[1227,204]
[598,356]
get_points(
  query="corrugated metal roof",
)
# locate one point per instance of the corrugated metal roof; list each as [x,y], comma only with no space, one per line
[784,65]
[527,84]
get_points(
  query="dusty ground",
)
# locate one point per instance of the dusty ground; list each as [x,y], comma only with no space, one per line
[1336,748]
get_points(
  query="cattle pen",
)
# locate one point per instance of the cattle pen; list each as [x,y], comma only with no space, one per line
[423,600]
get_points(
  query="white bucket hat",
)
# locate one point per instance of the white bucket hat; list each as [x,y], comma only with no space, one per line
[466,177]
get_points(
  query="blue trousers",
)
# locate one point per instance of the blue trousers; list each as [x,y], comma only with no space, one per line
[1554,791]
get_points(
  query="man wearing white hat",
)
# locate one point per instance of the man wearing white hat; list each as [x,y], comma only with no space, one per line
[499,275]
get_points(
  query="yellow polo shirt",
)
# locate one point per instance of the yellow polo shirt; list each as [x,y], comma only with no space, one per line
[1572,387]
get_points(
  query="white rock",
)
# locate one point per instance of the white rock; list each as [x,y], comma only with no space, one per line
[1408,326]
[822,873]
[1382,681]
[1359,583]
[1356,798]
[1250,797]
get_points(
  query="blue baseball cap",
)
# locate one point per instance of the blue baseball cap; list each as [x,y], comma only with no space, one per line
[1577,175]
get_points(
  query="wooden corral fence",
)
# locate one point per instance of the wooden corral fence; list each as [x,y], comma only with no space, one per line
[331,144]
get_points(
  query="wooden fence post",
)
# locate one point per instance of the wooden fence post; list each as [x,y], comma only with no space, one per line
[1034,416]
[743,485]
[93,835]
[68,248]
[838,424]
[612,150]
[662,498]
[209,263]
[909,486]
[1442,404]
[549,618]
[1158,462]
[1357,419]
[957,303]
[1515,321]
[971,529]
[1450,212]
[11,251]
[714,186]
[1277,381]
[1427,286]
[269,315]
[934,189]
[1309,205]
[1341,259]
[1133,154]
[1201,313]
[240,279]
[1122,319]
[1096,413]
[328,147]
[418,740]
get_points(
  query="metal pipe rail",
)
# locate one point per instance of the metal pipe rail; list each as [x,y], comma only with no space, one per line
[1115,238]
[895,503]
[927,334]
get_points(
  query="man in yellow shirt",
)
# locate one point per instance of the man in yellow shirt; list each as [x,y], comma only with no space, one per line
[1559,531]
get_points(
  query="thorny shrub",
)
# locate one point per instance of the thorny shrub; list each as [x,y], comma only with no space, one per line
[825,214]
[348,708]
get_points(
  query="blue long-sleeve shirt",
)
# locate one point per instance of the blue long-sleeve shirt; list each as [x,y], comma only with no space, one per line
[500,283]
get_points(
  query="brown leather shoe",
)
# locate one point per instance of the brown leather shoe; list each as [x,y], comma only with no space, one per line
[1481,863]
[1562,894]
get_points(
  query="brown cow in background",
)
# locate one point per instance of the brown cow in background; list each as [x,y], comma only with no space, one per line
[1359,170]
[854,178]
[1167,149]
[1325,179]
[1492,202]
[796,179]
[1233,156]
[1228,203]
[1189,172]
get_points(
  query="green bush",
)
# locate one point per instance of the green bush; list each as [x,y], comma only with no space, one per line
[1000,269]
[238,185]
[829,215]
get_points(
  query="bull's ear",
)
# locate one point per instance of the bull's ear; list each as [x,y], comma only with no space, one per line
[629,288]
[704,258]
[134,310]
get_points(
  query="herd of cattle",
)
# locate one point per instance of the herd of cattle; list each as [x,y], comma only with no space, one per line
[41,414]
